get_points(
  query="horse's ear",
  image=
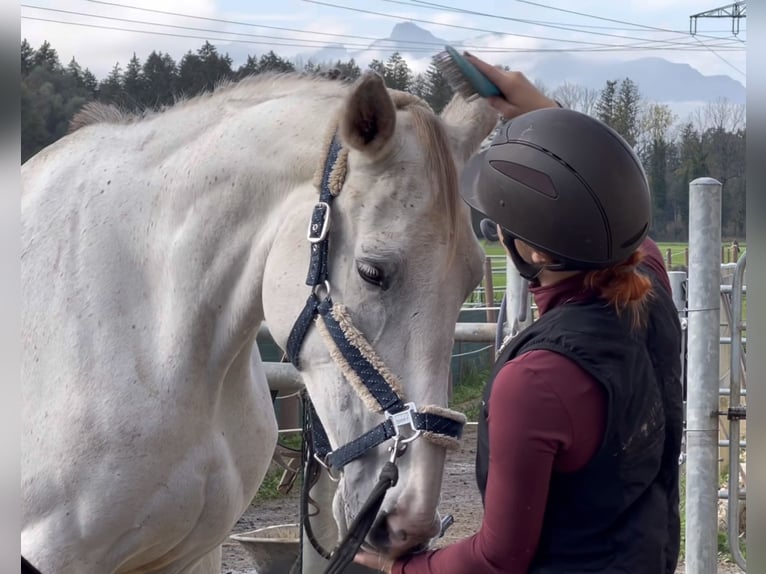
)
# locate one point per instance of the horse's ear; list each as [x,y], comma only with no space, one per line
[369,117]
[468,123]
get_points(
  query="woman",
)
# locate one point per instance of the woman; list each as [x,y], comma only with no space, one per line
[578,445]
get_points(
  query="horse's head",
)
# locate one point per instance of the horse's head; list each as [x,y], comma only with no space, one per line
[402,258]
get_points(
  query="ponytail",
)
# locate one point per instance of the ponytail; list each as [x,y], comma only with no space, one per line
[624,287]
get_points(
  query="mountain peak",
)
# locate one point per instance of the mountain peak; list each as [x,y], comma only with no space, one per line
[411,32]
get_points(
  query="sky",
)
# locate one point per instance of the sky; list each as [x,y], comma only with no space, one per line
[299,27]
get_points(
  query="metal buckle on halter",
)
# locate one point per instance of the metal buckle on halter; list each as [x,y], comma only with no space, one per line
[327,467]
[318,231]
[404,418]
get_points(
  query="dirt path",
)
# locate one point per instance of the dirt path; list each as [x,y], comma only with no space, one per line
[460,498]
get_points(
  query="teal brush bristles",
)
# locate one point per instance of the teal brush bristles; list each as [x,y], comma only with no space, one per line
[463,76]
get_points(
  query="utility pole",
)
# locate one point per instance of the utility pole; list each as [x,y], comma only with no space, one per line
[735,11]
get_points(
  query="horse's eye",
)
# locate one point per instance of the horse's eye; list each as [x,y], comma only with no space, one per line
[370,273]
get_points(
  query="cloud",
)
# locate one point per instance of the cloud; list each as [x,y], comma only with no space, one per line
[99,49]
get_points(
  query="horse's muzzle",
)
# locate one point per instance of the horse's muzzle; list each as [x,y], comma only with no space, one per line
[395,535]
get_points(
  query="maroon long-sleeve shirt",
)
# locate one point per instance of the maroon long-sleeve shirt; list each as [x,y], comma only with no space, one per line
[545,414]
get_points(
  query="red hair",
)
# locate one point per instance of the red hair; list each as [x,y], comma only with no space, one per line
[624,287]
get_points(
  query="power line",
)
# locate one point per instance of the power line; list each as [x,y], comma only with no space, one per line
[104,2]
[298,45]
[604,18]
[555,25]
[178,27]
[458,26]
[724,60]
[282,28]
[628,27]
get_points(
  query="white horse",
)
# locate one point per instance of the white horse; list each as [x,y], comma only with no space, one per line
[154,247]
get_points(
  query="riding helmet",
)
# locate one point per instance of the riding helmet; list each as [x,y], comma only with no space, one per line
[567,184]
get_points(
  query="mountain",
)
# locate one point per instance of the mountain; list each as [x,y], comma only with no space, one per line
[658,79]
[408,36]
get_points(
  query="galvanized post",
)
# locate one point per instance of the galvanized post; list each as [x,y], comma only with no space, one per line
[736,409]
[702,376]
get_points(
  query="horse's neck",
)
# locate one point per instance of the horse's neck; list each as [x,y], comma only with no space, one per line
[229,199]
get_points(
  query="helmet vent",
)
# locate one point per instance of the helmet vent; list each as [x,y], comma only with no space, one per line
[532,178]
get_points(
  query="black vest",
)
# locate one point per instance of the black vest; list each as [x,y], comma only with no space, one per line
[619,513]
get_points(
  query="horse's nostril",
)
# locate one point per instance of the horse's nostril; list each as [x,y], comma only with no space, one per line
[379,536]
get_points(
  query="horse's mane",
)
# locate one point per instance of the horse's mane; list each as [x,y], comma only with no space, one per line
[266,86]
[256,88]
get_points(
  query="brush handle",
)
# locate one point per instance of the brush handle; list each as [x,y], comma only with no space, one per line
[483,86]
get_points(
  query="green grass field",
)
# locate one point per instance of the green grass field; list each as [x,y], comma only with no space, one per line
[676,253]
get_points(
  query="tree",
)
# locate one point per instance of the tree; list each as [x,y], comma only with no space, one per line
[397,73]
[378,66]
[576,97]
[34,135]
[204,70]
[215,68]
[27,57]
[656,153]
[439,90]
[606,106]
[626,111]
[419,86]
[310,67]
[160,78]
[46,57]
[270,62]
[133,85]
[89,83]
[348,70]
[720,114]
[249,68]
[110,89]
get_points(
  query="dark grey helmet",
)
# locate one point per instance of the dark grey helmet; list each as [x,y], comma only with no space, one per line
[565,183]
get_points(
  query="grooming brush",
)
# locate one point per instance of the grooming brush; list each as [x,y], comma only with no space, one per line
[464,77]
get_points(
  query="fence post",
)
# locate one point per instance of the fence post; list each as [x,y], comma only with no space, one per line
[669,258]
[704,300]
[518,312]
[489,299]
[678,286]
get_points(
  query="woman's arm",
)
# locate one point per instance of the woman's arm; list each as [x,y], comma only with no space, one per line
[539,403]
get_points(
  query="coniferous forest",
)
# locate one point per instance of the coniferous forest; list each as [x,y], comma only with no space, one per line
[674,151]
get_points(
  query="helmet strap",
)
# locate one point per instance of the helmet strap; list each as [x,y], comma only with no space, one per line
[527,270]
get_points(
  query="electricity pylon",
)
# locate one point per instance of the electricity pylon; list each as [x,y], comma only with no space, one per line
[735,11]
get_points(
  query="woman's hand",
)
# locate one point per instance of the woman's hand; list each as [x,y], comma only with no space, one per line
[375,561]
[521,95]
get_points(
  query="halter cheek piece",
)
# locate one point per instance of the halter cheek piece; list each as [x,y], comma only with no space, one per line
[377,387]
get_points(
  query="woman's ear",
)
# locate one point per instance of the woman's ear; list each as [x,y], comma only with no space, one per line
[539,258]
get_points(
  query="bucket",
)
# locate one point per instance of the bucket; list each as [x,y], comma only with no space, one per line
[274,549]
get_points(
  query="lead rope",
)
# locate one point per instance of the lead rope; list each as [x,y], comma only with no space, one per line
[352,542]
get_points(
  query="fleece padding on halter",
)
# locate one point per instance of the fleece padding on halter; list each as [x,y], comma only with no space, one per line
[378,388]
[331,173]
